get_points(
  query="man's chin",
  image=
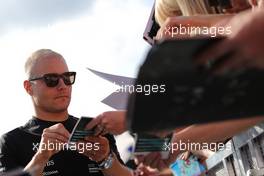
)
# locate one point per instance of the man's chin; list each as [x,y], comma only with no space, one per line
[62,103]
[58,110]
[62,100]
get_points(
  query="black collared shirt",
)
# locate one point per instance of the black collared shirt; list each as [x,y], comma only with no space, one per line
[18,146]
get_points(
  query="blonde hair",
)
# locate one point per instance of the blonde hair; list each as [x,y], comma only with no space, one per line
[193,7]
[166,8]
[170,8]
[36,56]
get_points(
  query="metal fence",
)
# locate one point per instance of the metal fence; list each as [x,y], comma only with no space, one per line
[247,153]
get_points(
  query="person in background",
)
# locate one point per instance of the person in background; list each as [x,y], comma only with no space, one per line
[193,13]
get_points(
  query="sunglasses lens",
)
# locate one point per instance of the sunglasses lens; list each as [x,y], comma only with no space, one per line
[51,80]
[69,78]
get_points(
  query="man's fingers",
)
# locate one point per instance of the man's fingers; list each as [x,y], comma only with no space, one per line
[101,150]
[58,128]
[54,135]
[89,153]
[54,141]
[52,145]
[103,142]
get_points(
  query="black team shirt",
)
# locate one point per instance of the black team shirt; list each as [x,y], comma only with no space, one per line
[18,146]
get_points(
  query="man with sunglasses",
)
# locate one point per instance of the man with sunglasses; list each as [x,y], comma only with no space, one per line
[40,146]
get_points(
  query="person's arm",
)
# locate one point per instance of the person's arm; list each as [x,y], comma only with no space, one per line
[213,132]
[117,169]
[37,164]
[198,134]
[54,134]
[109,122]
[101,153]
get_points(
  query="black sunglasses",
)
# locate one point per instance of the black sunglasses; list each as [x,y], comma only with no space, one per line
[52,79]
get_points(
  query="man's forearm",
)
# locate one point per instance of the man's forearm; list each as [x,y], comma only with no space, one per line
[117,169]
[37,164]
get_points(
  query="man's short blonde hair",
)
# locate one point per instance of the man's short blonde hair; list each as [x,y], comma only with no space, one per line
[36,56]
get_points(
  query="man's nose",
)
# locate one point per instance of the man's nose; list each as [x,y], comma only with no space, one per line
[61,84]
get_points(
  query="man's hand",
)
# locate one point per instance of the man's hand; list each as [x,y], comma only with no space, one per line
[100,153]
[108,122]
[100,148]
[52,141]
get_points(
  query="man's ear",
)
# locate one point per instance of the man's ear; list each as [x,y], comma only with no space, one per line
[28,87]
